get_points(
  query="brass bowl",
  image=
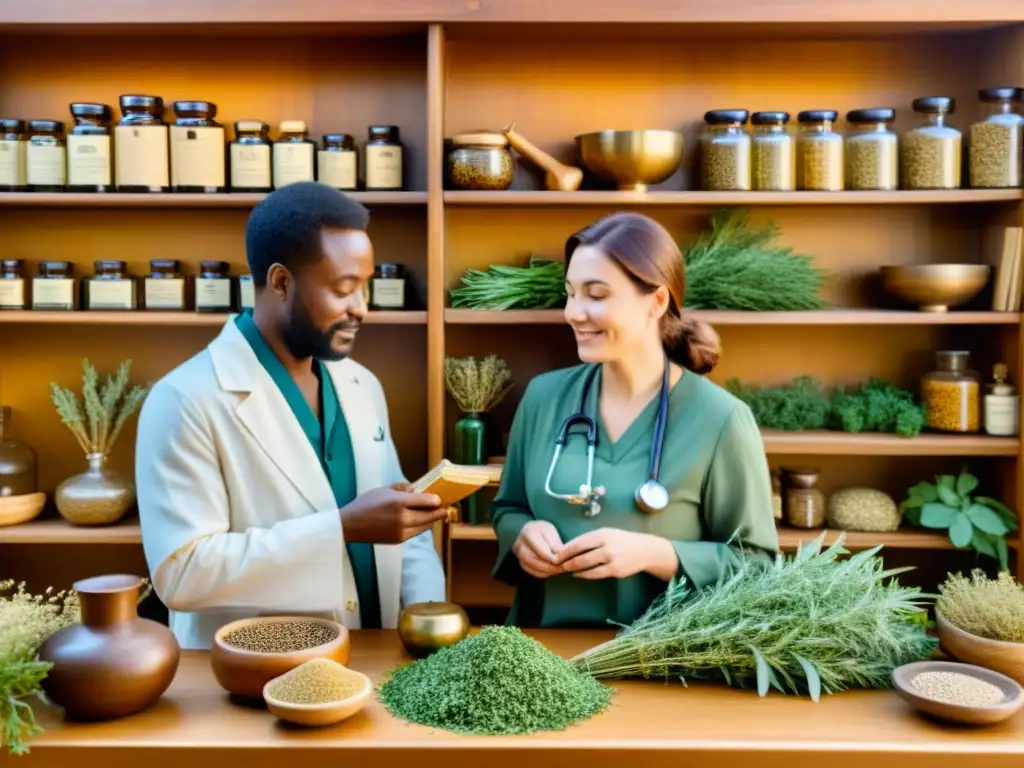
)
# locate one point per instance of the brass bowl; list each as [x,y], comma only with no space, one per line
[631,159]
[935,287]
[427,627]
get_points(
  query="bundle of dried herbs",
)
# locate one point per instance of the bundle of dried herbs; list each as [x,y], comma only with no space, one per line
[990,608]
[809,623]
[498,681]
[477,386]
[538,285]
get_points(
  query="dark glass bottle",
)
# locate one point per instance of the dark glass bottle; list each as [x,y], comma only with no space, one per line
[89,150]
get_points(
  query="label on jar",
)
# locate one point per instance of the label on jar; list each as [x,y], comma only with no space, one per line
[88,161]
[389,293]
[45,162]
[383,166]
[53,293]
[12,293]
[13,172]
[213,293]
[165,293]
[197,156]
[1002,415]
[250,166]
[140,156]
[247,293]
[293,161]
[337,169]
[111,294]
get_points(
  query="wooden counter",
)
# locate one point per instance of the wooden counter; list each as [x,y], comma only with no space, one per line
[649,724]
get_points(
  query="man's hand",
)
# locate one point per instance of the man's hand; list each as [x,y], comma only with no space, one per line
[610,553]
[537,548]
[390,515]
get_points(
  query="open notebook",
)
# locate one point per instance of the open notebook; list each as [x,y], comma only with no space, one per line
[454,482]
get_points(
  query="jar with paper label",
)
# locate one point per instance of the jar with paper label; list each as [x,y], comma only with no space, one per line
[387,292]
[250,157]
[111,288]
[336,162]
[164,286]
[872,150]
[996,142]
[819,152]
[805,502]
[1002,404]
[214,287]
[246,292]
[53,287]
[13,146]
[383,165]
[141,161]
[13,293]
[294,154]
[89,150]
[951,394]
[930,153]
[197,149]
[46,156]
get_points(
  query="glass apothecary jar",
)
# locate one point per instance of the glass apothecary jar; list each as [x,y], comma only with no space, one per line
[384,159]
[951,394]
[387,291]
[17,460]
[773,153]
[872,150]
[141,157]
[994,153]
[110,288]
[819,152]
[13,291]
[249,157]
[930,152]
[294,154]
[46,156]
[13,146]
[214,287]
[805,503]
[480,160]
[164,286]
[1002,404]
[198,161]
[337,162]
[725,150]
[53,287]
[89,150]
[246,292]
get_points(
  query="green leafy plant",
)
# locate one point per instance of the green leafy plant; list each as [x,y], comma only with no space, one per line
[797,406]
[972,522]
[539,285]
[991,608]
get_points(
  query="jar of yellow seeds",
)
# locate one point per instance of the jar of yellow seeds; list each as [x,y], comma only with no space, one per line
[951,394]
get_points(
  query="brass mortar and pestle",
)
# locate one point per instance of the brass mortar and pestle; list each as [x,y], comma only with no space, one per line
[558,177]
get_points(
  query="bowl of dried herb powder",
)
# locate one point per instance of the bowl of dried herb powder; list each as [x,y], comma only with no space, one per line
[960,693]
[249,653]
[317,693]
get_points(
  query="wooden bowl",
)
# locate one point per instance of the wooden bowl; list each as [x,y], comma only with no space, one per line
[315,715]
[15,510]
[935,287]
[1012,702]
[245,673]
[1001,656]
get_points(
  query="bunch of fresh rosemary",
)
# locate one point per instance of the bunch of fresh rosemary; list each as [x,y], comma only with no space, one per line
[809,623]
[539,285]
[477,386]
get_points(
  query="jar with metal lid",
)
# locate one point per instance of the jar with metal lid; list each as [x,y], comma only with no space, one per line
[164,286]
[480,160]
[198,161]
[996,142]
[930,152]
[819,152]
[214,287]
[246,292]
[337,164]
[53,287]
[89,152]
[725,151]
[13,146]
[1002,404]
[294,154]
[18,461]
[387,292]
[141,161]
[250,157]
[111,288]
[872,150]
[12,284]
[384,169]
[46,156]
[805,502]
[951,393]
[773,151]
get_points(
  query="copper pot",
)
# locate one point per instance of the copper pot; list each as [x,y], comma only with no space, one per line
[427,627]
[113,663]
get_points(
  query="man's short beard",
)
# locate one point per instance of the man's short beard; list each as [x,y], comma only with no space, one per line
[303,339]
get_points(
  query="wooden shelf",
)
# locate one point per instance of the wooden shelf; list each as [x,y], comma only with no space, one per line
[826,443]
[60,532]
[142,317]
[172,200]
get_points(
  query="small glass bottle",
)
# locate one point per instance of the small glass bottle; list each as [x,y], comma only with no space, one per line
[725,151]
[336,162]
[197,149]
[294,154]
[1002,405]
[250,157]
[89,152]
[819,152]
[141,161]
[111,288]
[164,286]
[246,292]
[773,153]
[387,291]
[17,461]
[805,502]
[930,152]
[995,148]
[951,394]
[13,146]
[53,287]
[214,287]
[12,285]
[384,159]
[46,156]
[872,150]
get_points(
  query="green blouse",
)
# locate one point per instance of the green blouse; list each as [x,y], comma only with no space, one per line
[713,465]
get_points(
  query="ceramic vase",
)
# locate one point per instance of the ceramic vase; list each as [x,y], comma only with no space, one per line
[98,496]
[113,663]
[470,448]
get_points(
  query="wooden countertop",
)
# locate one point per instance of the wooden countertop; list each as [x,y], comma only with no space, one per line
[195,725]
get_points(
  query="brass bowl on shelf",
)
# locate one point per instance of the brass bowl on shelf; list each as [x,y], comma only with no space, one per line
[935,287]
[427,627]
[631,159]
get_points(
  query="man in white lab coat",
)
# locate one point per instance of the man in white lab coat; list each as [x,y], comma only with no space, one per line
[268,482]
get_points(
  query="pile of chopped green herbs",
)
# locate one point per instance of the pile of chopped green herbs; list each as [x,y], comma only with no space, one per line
[498,681]
[809,623]
[539,285]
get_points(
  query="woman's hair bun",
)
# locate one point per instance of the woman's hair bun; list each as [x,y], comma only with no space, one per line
[693,344]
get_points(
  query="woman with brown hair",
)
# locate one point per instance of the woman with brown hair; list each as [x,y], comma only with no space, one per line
[632,468]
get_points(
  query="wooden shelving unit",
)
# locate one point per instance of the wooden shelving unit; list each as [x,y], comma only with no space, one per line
[144,318]
[171,200]
[724,317]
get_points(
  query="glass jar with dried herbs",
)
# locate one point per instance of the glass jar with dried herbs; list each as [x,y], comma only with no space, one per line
[995,148]
[930,152]
[819,152]
[774,153]
[725,151]
[805,503]
[872,150]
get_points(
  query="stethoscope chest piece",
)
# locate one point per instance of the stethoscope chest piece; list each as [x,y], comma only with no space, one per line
[652,497]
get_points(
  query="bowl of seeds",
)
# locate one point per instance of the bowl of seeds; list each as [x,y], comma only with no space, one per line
[249,653]
[317,693]
[959,693]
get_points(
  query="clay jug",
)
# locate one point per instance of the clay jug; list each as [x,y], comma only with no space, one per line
[113,663]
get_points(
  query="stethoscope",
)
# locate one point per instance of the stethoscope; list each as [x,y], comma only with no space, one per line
[651,496]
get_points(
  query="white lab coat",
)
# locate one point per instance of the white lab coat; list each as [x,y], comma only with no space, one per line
[238,518]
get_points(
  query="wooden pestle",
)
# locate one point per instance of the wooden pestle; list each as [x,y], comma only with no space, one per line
[558,176]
